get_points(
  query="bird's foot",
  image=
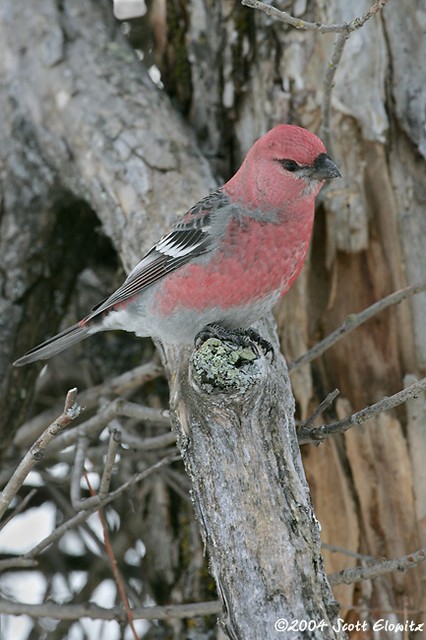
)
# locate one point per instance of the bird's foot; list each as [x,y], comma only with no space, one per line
[246,338]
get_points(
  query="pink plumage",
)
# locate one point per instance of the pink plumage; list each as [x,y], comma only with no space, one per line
[228,259]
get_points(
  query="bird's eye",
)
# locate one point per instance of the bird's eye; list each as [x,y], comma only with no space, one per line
[290,165]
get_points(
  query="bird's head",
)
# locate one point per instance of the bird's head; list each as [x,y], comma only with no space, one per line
[286,163]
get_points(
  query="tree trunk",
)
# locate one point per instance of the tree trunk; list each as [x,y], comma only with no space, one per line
[234,418]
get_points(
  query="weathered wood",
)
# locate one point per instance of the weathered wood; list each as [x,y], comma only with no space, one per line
[234,420]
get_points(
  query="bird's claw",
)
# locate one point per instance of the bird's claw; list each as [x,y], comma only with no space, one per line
[242,337]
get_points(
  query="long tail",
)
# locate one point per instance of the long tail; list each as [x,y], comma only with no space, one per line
[54,345]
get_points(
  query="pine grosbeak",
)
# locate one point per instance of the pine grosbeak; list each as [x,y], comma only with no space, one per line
[228,259]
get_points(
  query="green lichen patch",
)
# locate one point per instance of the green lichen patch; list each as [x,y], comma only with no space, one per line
[220,366]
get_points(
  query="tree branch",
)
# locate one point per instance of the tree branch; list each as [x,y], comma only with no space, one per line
[148,444]
[19,509]
[97,422]
[354,321]
[113,445]
[77,471]
[357,574]
[78,611]
[112,559]
[344,30]
[37,451]
[89,399]
[317,434]
[330,397]
[95,503]
[332,548]
[333,63]
[17,563]
[345,27]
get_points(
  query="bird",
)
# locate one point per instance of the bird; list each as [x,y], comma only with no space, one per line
[228,259]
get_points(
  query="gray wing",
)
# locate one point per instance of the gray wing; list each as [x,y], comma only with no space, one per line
[189,238]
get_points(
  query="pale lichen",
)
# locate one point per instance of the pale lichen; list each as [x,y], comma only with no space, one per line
[221,366]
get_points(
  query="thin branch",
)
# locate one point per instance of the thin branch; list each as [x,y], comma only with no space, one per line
[96,423]
[346,27]
[114,443]
[333,63]
[36,452]
[113,562]
[17,563]
[354,321]
[317,434]
[88,429]
[344,30]
[78,611]
[333,548]
[90,398]
[67,510]
[21,506]
[64,505]
[320,408]
[148,444]
[348,576]
[178,483]
[93,504]
[77,471]
[159,417]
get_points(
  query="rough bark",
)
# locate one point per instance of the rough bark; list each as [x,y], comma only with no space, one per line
[234,419]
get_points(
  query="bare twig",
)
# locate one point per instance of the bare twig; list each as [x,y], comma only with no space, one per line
[113,562]
[333,548]
[148,444]
[90,398]
[178,483]
[94,425]
[344,30]
[114,443]
[320,408]
[17,563]
[78,611]
[36,452]
[87,429]
[77,471]
[21,506]
[159,417]
[65,506]
[345,27]
[93,504]
[336,56]
[357,574]
[317,434]
[354,321]
[89,539]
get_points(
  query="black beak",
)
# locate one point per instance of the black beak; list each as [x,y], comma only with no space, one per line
[324,168]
